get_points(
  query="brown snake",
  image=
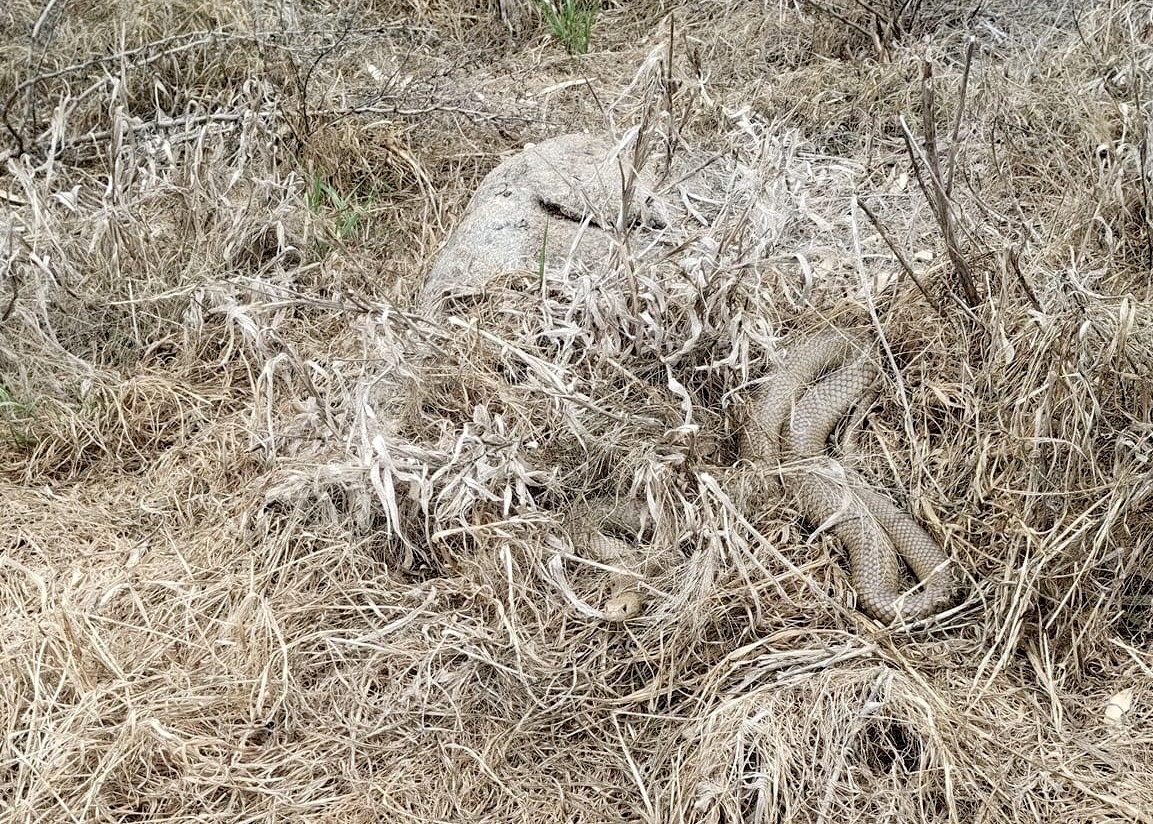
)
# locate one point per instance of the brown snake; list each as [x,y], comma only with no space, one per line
[788,425]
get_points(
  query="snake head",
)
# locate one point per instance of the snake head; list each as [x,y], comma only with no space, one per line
[626,602]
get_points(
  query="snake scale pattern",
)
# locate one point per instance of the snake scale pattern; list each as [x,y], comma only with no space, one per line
[785,435]
[788,425]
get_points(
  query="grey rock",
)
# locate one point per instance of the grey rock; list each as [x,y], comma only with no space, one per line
[563,198]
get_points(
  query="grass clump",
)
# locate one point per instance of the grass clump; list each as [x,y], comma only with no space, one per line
[345,208]
[571,22]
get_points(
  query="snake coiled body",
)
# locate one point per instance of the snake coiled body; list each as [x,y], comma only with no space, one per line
[788,425]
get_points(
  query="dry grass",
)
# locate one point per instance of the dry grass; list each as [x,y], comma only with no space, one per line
[277,548]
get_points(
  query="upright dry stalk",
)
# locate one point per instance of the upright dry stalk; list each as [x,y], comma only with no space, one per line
[935,186]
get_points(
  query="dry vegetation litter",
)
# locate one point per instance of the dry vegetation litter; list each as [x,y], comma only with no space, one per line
[276,547]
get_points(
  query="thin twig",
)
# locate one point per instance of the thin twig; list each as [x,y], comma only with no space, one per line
[203,39]
[1014,258]
[868,35]
[896,250]
[955,141]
